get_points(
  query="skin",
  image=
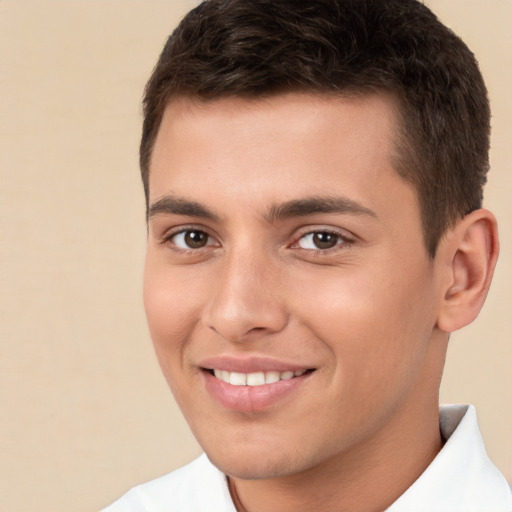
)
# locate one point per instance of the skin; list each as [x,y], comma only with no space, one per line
[369,314]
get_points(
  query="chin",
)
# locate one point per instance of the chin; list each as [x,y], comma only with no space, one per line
[258,464]
[252,470]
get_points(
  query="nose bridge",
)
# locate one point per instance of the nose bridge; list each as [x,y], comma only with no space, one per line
[246,299]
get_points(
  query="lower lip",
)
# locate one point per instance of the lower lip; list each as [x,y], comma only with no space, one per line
[251,398]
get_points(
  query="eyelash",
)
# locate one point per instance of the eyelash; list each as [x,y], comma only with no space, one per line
[169,239]
[341,241]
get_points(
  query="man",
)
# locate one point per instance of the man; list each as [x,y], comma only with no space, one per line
[313,174]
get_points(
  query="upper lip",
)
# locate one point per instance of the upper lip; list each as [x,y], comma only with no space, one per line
[250,364]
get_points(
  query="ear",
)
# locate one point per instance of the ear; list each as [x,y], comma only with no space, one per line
[468,254]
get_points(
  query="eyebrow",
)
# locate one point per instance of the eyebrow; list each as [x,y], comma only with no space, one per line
[295,208]
[179,206]
[316,204]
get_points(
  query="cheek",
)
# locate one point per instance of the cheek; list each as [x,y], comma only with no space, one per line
[375,324]
[171,319]
[171,314]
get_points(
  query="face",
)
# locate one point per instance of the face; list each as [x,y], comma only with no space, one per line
[288,290]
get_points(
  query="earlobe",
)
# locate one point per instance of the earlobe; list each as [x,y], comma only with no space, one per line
[471,250]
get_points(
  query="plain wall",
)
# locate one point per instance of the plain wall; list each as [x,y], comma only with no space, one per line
[84,411]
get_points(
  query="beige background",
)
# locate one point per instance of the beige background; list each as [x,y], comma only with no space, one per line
[84,412]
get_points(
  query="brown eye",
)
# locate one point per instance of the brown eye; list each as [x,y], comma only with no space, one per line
[325,240]
[196,239]
[320,240]
[191,239]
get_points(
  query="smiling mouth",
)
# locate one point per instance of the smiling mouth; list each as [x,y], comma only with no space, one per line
[255,378]
[262,385]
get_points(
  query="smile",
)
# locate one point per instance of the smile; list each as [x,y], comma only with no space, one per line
[253,391]
[255,378]
[253,383]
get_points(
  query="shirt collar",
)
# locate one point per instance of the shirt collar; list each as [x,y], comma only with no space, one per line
[461,478]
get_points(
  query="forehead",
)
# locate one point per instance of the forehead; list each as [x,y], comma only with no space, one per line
[296,132]
[296,113]
[276,149]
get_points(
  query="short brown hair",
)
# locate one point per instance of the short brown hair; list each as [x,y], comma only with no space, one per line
[256,48]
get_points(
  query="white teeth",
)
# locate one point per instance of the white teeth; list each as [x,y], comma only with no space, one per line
[256,378]
[271,377]
[238,379]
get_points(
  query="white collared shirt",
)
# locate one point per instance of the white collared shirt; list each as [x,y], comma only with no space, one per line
[460,479]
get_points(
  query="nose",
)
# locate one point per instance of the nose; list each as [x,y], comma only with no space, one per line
[248,300]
